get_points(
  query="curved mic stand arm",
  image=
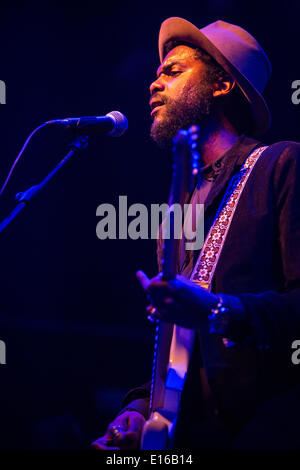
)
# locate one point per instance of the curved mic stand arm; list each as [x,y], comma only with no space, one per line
[23,198]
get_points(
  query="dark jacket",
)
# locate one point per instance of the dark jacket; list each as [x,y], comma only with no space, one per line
[259,270]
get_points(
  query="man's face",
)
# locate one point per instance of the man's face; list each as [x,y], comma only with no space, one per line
[181,96]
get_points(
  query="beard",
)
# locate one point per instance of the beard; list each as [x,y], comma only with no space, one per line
[192,107]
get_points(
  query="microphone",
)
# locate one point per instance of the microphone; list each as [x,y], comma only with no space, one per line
[113,124]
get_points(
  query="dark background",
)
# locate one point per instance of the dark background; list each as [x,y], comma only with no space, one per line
[72,313]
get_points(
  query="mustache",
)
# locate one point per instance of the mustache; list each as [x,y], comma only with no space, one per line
[160,98]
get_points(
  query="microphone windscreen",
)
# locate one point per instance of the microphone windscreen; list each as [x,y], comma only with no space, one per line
[121,123]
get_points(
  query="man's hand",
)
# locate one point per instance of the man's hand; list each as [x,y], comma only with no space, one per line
[179,301]
[124,433]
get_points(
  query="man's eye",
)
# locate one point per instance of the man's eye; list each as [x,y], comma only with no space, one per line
[175,72]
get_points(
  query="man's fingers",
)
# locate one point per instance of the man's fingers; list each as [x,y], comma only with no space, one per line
[143,279]
[119,425]
[129,441]
[159,293]
[160,290]
[104,444]
[122,441]
[136,423]
[122,433]
[97,446]
[130,438]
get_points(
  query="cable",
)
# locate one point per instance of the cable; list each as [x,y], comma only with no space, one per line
[19,156]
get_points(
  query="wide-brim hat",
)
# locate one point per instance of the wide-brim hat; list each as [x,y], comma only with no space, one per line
[236,51]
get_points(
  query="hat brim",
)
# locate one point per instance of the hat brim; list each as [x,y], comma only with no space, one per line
[178,29]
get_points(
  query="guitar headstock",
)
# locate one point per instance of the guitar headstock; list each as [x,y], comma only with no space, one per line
[186,163]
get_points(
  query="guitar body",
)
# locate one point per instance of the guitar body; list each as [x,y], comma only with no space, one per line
[157,433]
[173,344]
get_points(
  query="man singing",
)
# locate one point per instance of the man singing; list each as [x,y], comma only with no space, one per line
[239,382]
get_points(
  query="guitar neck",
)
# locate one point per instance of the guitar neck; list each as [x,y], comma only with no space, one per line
[163,338]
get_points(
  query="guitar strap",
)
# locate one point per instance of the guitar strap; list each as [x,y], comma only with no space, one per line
[202,274]
[206,264]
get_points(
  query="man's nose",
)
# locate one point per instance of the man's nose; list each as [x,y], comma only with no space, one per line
[157,85]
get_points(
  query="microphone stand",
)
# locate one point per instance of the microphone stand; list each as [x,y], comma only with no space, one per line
[23,198]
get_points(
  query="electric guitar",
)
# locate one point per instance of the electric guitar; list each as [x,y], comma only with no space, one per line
[173,344]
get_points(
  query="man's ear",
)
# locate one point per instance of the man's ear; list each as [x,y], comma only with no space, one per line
[223,87]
